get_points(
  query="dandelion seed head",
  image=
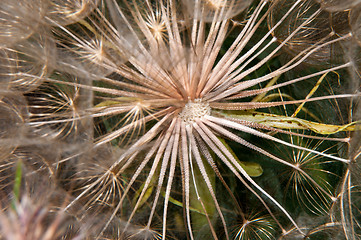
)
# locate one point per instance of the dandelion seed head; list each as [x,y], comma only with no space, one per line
[156,24]
[67,12]
[255,227]
[194,110]
[18,20]
[96,54]
[163,95]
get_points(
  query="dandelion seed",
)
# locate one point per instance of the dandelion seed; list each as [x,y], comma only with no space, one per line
[69,11]
[177,82]
[309,181]
[255,227]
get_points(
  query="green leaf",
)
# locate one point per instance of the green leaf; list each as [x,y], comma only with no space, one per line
[145,197]
[17,182]
[180,204]
[17,185]
[252,168]
[285,122]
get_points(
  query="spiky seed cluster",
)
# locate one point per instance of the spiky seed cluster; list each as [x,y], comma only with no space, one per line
[194,110]
[176,78]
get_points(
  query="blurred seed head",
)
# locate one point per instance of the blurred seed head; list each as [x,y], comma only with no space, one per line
[64,12]
[28,63]
[18,20]
[338,5]
[215,10]
[13,115]
[27,220]
[150,80]
[57,106]
[314,30]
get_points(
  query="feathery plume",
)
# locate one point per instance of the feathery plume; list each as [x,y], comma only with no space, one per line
[149,103]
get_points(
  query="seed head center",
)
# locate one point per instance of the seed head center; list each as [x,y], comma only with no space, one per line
[194,110]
